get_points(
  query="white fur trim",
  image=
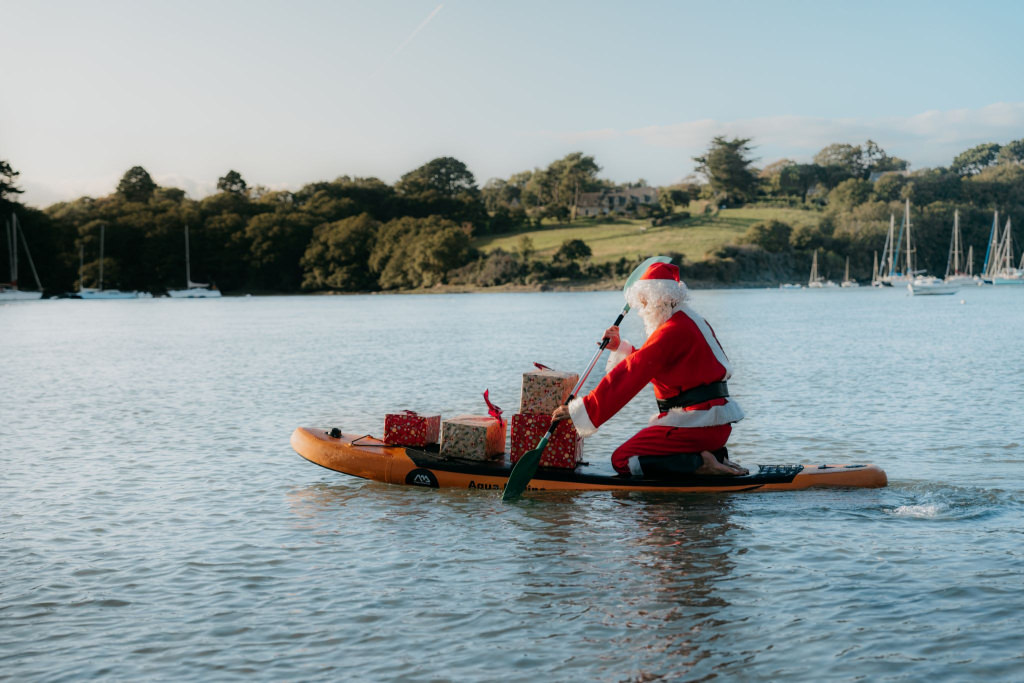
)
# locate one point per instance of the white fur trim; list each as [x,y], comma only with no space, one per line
[655,292]
[709,337]
[712,417]
[634,466]
[619,354]
[580,419]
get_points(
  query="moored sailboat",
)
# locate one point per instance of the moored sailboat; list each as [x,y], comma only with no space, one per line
[847,282]
[10,291]
[193,290]
[99,292]
[815,281]
[960,269]
[999,269]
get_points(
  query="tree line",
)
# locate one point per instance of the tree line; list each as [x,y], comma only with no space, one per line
[361,234]
[858,189]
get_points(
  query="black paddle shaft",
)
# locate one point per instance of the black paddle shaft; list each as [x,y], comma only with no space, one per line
[604,345]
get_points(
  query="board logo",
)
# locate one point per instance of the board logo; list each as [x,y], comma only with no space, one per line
[421,478]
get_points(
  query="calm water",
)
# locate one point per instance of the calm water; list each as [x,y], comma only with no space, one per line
[156,525]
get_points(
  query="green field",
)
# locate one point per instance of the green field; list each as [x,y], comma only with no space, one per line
[696,237]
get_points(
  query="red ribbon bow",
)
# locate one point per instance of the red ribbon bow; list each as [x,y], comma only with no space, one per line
[541,366]
[492,410]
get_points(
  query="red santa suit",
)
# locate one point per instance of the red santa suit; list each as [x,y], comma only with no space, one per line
[681,354]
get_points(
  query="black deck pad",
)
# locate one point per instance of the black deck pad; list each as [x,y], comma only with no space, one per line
[760,474]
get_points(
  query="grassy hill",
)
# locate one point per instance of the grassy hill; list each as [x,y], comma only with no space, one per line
[695,237]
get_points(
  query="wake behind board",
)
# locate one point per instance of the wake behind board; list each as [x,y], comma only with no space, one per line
[370,458]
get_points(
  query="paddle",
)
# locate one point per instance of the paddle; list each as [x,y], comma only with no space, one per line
[524,470]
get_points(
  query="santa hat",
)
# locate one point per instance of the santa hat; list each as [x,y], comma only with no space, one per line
[659,283]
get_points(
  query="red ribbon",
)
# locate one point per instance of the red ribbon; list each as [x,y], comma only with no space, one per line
[541,366]
[492,410]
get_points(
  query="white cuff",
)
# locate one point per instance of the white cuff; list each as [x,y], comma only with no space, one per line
[580,419]
[619,354]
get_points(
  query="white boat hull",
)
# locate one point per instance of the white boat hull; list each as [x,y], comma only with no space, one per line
[937,287]
[18,295]
[111,294]
[194,293]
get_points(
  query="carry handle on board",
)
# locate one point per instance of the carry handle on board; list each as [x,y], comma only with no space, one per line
[524,470]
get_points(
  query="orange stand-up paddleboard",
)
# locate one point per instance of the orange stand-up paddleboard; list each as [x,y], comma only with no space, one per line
[370,458]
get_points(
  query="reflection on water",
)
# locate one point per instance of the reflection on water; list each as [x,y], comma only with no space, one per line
[157,525]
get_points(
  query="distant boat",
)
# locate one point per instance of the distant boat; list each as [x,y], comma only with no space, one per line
[876,279]
[960,269]
[847,282]
[816,282]
[928,284]
[998,268]
[790,286]
[99,292]
[195,290]
[9,291]
[893,248]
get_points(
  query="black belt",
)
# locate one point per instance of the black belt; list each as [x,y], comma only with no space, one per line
[691,397]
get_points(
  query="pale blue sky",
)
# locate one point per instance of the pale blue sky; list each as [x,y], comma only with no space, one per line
[290,93]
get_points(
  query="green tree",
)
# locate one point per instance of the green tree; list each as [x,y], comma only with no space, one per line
[337,257]
[772,236]
[232,182]
[446,176]
[726,166]
[974,160]
[418,252]
[8,178]
[849,193]
[136,185]
[888,186]
[572,175]
[1012,152]
[443,187]
[525,248]
[572,251]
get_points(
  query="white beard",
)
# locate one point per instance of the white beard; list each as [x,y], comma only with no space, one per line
[654,317]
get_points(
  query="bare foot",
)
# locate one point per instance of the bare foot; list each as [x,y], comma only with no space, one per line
[712,467]
[736,466]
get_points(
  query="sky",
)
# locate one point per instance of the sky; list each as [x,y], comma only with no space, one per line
[288,93]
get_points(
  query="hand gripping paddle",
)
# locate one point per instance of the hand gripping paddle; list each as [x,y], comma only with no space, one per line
[524,470]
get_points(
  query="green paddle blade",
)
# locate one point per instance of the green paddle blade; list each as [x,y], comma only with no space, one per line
[523,471]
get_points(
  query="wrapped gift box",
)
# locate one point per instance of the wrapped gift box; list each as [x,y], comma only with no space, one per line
[564,449]
[472,437]
[408,428]
[544,390]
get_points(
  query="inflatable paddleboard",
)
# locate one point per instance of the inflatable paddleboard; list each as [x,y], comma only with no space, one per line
[370,458]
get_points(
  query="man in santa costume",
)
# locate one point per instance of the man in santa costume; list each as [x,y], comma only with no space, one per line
[688,368]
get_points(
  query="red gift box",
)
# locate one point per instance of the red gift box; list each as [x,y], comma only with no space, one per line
[408,428]
[564,449]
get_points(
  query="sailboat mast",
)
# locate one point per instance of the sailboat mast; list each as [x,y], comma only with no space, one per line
[28,253]
[874,270]
[1008,249]
[81,266]
[188,266]
[970,260]
[103,227]
[14,250]
[906,218]
[10,255]
[985,269]
[889,243]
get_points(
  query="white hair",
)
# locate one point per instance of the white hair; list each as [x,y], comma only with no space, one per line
[656,300]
